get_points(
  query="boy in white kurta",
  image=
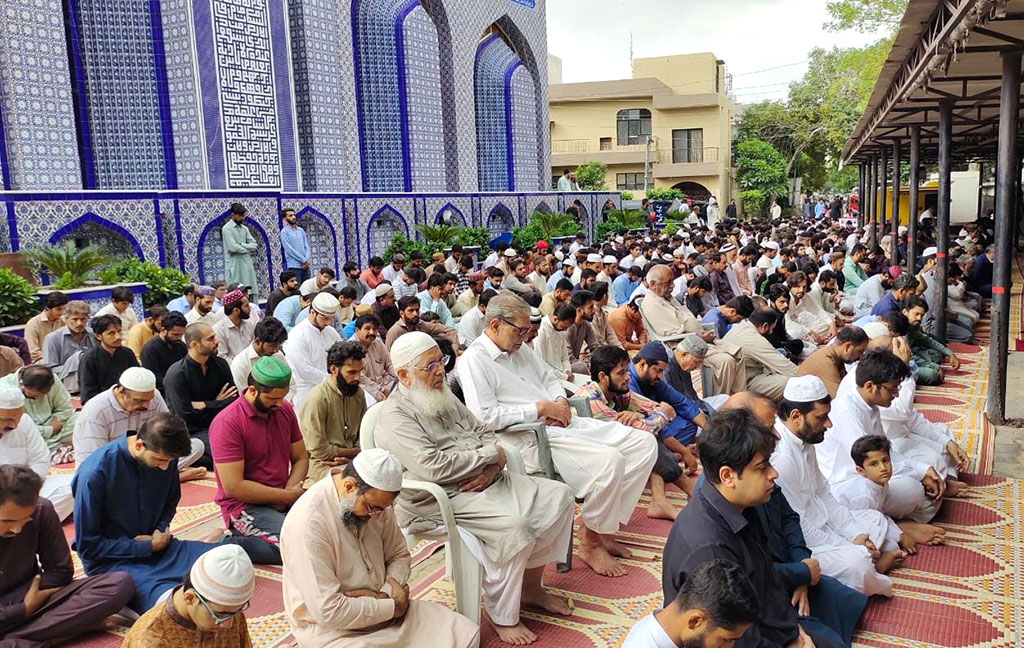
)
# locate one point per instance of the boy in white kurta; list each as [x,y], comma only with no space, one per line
[346,565]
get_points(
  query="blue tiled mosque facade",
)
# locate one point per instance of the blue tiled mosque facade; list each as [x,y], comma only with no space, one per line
[135,123]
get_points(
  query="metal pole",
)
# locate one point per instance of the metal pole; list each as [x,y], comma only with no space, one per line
[942,218]
[915,181]
[884,196]
[647,163]
[894,244]
[1006,185]
[861,198]
[873,214]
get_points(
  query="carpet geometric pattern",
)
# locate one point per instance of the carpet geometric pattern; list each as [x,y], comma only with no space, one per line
[966,593]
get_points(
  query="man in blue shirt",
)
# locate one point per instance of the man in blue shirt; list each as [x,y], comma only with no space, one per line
[624,285]
[733,311]
[645,378]
[297,253]
[905,286]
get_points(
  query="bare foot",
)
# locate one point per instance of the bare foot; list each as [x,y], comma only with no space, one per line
[928,534]
[190,474]
[517,635]
[598,558]
[889,560]
[214,536]
[546,601]
[615,547]
[955,488]
[661,510]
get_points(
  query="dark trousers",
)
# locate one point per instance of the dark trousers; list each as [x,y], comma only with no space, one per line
[260,526]
[206,461]
[301,273]
[78,608]
[666,466]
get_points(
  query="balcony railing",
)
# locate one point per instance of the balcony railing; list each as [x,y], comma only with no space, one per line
[688,155]
[598,146]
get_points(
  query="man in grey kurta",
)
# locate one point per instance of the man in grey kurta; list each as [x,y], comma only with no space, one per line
[513,524]
[48,404]
[240,246]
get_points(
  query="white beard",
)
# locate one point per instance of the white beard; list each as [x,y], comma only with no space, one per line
[432,402]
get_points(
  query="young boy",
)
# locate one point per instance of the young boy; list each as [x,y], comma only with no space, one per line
[871,456]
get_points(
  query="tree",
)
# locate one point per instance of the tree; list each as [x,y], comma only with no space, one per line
[590,176]
[761,174]
[865,16]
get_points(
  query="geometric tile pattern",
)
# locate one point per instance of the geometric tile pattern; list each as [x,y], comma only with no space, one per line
[495,62]
[523,112]
[186,115]
[424,112]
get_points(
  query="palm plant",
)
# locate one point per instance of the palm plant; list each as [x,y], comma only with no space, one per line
[437,237]
[67,261]
[551,225]
[630,219]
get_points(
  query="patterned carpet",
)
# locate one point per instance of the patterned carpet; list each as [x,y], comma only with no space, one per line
[964,594]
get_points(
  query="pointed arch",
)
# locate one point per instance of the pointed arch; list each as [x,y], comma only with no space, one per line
[382,226]
[90,217]
[217,261]
[315,244]
[454,211]
[500,219]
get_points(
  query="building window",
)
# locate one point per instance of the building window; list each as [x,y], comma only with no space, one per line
[631,181]
[687,145]
[633,126]
[606,143]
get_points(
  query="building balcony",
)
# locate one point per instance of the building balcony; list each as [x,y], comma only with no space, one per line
[681,162]
[568,153]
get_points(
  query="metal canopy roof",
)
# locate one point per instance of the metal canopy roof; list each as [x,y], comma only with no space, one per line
[945,51]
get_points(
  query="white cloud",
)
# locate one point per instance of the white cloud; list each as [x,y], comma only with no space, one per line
[592,37]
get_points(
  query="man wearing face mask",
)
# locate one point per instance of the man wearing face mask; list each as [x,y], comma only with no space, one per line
[331,599]
[123,408]
[331,414]
[207,609]
[259,456]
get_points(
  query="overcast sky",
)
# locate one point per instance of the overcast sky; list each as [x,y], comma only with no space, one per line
[592,38]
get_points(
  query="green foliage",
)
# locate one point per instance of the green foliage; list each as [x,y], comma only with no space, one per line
[626,195]
[162,284]
[473,237]
[590,176]
[667,195]
[68,281]
[437,237]
[619,220]
[18,299]
[544,226]
[66,261]
[399,243]
[865,16]
[761,174]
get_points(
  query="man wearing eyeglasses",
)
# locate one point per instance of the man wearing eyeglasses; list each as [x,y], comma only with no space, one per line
[346,566]
[206,610]
[604,462]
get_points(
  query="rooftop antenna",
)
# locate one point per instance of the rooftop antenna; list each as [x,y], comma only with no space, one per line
[631,53]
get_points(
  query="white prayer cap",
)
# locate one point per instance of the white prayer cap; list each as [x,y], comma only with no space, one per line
[410,346]
[804,389]
[326,304]
[224,576]
[679,252]
[593,257]
[610,259]
[509,252]
[667,257]
[902,230]
[570,261]
[619,239]
[379,468]
[535,316]
[138,379]
[931,251]
[770,245]
[11,398]
[559,255]
[647,239]
[728,247]
[876,329]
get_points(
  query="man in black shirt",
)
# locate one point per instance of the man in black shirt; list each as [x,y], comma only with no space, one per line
[102,365]
[722,522]
[289,287]
[166,348]
[200,385]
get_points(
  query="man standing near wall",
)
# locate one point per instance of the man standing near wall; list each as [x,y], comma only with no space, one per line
[297,254]
[239,247]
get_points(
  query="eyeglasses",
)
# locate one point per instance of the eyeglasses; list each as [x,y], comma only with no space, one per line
[522,331]
[433,366]
[892,390]
[220,618]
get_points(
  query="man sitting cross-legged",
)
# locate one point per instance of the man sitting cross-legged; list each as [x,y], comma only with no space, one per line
[513,524]
[125,496]
[259,457]
[612,399]
[604,462]
[857,548]
[331,414]
[40,604]
[334,600]
[123,408]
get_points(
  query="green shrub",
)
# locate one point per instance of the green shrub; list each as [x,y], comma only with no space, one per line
[474,237]
[619,220]
[668,195]
[18,299]
[162,284]
[544,226]
[400,244]
[436,238]
[66,262]
[627,195]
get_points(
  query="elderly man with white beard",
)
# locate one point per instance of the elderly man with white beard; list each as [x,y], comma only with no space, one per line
[605,463]
[513,524]
[346,566]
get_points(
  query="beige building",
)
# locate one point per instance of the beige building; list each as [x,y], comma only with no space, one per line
[678,102]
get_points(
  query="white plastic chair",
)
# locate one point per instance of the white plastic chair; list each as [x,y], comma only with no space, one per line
[670,341]
[461,566]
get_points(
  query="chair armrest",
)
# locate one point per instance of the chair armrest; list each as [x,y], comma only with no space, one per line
[538,428]
[445,504]
[513,459]
[669,340]
[581,407]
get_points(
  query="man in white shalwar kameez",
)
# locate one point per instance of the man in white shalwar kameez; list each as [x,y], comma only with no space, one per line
[855,547]
[915,491]
[346,566]
[307,345]
[605,463]
[512,523]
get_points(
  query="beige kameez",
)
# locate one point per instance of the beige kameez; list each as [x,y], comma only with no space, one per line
[323,559]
